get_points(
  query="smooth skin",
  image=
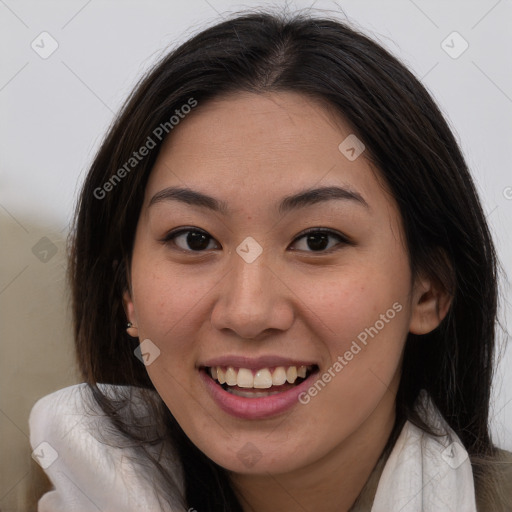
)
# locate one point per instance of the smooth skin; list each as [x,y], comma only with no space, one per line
[295,300]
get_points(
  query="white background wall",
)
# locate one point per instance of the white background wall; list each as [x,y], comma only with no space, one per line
[54,112]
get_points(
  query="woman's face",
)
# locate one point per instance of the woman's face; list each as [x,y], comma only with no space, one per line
[247,293]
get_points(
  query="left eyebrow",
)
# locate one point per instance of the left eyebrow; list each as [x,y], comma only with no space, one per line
[317,195]
[293,202]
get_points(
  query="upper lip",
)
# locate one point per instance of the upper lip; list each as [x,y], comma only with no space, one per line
[253,363]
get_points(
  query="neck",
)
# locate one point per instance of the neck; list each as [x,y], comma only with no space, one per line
[335,481]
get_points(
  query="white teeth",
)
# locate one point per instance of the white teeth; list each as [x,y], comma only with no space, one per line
[231,376]
[279,376]
[244,378]
[262,379]
[291,374]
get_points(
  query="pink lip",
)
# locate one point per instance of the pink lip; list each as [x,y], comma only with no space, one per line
[255,363]
[254,408]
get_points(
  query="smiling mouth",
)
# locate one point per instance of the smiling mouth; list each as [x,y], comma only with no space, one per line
[248,383]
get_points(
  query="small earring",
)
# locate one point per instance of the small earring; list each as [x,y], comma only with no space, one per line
[131,330]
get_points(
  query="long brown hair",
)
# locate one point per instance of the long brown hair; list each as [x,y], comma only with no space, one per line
[408,141]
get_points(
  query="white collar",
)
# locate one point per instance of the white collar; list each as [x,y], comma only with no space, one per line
[422,473]
[425,473]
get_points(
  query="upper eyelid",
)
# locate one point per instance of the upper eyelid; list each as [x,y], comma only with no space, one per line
[329,231]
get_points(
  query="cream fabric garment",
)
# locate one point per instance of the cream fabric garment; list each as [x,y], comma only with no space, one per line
[425,473]
[422,473]
[88,476]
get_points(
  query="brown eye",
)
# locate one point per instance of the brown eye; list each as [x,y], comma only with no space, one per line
[317,240]
[189,239]
[197,240]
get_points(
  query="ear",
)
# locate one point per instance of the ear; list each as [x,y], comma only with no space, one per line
[129,309]
[430,305]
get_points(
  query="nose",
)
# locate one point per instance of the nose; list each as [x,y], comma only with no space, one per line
[253,300]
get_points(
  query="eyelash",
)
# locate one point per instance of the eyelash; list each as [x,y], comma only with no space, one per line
[169,237]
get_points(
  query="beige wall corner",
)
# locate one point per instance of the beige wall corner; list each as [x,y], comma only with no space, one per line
[36,346]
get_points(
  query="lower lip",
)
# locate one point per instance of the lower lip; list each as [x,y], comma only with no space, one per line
[254,408]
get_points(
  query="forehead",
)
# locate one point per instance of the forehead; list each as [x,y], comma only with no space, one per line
[251,148]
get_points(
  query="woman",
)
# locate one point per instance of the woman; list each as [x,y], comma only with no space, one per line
[284,291]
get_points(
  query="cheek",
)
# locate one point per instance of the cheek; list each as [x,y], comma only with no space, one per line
[362,319]
[167,301]
[165,298]
[359,304]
